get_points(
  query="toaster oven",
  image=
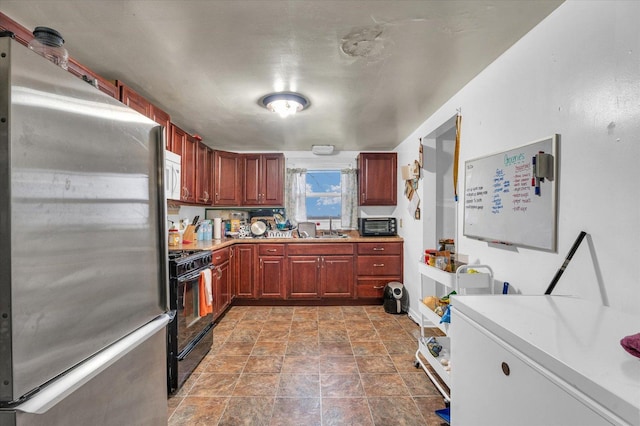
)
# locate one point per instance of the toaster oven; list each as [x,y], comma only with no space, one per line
[377,226]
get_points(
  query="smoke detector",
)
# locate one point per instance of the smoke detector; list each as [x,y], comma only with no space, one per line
[322,149]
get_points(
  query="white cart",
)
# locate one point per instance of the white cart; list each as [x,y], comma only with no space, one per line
[461,281]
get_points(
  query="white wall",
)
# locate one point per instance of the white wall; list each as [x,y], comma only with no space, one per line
[576,74]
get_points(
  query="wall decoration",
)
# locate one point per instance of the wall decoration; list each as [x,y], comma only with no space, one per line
[411,175]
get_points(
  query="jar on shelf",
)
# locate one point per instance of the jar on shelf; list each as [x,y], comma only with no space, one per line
[48,42]
[174,237]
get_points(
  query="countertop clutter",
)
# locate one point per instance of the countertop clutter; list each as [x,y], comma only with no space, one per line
[349,237]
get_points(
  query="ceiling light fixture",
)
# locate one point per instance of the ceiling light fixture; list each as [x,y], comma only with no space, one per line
[284,103]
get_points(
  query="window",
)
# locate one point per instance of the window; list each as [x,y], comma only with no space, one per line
[323,194]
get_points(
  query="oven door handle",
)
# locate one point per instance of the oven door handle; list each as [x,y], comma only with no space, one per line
[193,275]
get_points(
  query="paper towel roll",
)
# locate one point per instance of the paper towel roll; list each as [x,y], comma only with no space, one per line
[217,228]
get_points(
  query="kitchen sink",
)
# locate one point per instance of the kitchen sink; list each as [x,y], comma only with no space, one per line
[332,236]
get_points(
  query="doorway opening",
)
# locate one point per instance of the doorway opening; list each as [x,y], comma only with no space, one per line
[440,210]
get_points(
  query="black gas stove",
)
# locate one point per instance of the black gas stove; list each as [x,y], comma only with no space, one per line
[190,333]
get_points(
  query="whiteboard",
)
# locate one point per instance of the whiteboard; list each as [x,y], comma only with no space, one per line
[501,204]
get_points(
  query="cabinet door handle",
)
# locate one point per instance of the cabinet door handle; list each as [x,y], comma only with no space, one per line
[271,250]
[318,263]
[219,273]
[378,287]
[378,249]
[217,197]
[218,257]
[260,263]
[378,265]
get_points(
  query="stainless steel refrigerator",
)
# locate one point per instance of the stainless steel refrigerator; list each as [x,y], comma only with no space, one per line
[83,256]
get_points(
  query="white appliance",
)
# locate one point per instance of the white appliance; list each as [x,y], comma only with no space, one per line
[172,171]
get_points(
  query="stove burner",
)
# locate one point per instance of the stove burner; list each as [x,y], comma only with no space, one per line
[185,261]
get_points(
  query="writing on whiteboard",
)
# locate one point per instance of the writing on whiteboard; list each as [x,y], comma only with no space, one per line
[475,197]
[521,196]
[510,160]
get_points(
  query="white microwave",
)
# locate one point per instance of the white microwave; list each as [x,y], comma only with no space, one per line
[172,175]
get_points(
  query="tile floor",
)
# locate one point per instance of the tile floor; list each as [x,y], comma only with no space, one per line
[327,365]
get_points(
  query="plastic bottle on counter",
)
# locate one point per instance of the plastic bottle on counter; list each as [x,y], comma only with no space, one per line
[208,231]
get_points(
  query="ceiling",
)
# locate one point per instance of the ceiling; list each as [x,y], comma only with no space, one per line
[373,70]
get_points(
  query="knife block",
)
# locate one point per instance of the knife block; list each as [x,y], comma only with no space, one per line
[189,234]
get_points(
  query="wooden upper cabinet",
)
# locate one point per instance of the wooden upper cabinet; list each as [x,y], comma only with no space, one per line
[134,100]
[164,119]
[204,158]
[226,178]
[190,163]
[139,103]
[273,172]
[251,183]
[21,34]
[185,145]
[378,179]
[263,180]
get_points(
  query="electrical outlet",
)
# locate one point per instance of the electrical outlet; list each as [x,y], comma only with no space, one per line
[400,222]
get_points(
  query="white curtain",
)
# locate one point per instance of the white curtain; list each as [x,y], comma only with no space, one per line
[349,185]
[296,195]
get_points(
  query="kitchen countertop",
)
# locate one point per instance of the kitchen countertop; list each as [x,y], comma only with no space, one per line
[352,237]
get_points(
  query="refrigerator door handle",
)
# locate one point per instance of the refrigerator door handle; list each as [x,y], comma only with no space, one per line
[60,388]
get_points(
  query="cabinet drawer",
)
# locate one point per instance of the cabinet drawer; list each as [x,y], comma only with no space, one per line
[379,265]
[373,288]
[218,257]
[271,249]
[380,248]
[319,249]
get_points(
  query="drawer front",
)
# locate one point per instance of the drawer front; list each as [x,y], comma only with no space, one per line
[379,265]
[319,249]
[380,248]
[220,256]
[271,249]
[373,288]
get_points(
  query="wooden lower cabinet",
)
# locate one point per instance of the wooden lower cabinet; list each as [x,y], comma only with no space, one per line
[271,271]
[314,271]
[244,259]
[221,281]
[377,265]
[304,277]
[320,270]
[337,276]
